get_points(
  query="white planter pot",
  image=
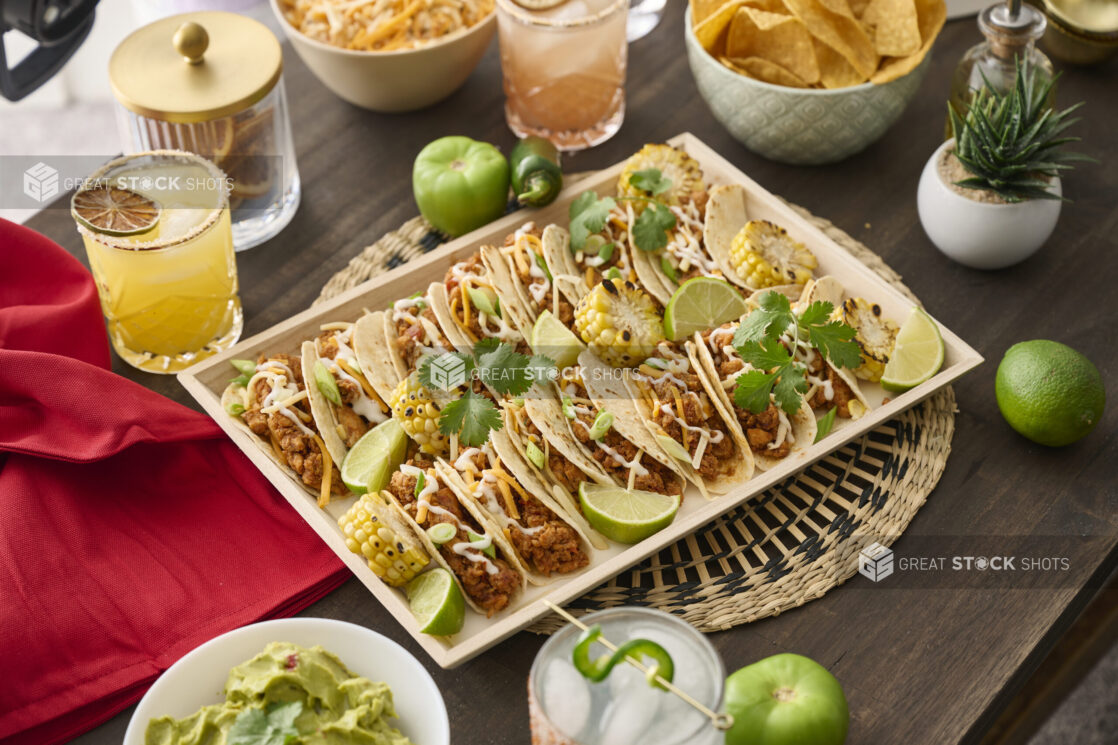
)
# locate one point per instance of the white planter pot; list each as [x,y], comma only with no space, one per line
[978,234]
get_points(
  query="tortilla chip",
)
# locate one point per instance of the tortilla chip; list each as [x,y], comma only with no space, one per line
[839,31]
[711,33]
[765,71]
[930,16]
[704,9]
[834,70]
[778,38]
[894,28]
[858,7]
[839,7]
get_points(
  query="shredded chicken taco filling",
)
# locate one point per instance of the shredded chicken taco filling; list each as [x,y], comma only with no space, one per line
[490,582]
[417,330]
[622,460]
[770,432]
[547,543]
[682,409]
[278,411]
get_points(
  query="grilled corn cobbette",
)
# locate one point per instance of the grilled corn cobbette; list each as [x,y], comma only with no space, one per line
[673,163]
[374,531]
[619,322]
[417,412]
[764,255]
[875,335]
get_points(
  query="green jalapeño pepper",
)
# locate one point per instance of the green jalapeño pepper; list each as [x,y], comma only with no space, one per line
[536,176]
[460,184]
[596,670]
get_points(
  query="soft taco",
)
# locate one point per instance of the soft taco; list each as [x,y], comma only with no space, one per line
[773,435]
[684,257]
[521,269]
[478,555]
[273,406]
[725,215]
[344,403]
[829,386]
[574,426]
[468,308]
[674,407]
[541,533]
[604,256]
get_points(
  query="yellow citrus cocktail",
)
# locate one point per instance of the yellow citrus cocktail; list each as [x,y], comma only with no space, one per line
[157,232]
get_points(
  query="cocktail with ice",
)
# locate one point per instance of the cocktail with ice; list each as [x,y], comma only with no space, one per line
[564,70]
[567,709]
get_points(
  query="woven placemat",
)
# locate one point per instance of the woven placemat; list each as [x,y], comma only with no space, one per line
[795,541]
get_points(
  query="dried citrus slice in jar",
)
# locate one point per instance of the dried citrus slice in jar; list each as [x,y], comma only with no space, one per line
[110,210]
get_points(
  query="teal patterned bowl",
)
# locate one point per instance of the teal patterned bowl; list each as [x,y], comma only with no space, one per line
[801,126]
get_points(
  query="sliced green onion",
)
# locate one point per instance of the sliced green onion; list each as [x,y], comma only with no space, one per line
[826,422]
[420,482]
[673,448]
[569,408]
[605,253]
[241,380]
[235,409]
[594,244]
[601,425]
[535,455]
[542,265]
[484,300]
[517,402]
[244,367]
[668,269]
[441,533]
[490,550]
[597,670]
[613,273]
[326,383]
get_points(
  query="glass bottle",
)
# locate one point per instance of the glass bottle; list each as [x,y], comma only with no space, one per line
[1011,30]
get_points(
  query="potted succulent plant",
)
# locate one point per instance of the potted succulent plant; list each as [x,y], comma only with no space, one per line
[990,196]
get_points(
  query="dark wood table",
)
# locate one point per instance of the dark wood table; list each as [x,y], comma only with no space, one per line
[932,660]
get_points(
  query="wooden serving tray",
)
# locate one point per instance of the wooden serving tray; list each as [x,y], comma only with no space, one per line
[206,380]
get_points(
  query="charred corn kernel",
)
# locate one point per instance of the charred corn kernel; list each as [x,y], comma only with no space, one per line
[875,335]
[413,406]
[673,163]
[619,322]
[764,255]
[390,547]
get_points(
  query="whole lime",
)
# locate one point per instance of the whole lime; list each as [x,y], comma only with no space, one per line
[786,699]
[1049,392]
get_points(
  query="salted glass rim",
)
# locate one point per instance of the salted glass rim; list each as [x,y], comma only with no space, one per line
[526,17]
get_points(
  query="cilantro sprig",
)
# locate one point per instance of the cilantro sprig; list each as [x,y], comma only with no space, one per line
[777,374]
[589,212]
[274,726]
[472,416]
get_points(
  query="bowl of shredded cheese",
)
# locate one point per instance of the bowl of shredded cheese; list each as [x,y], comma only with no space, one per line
[389,55]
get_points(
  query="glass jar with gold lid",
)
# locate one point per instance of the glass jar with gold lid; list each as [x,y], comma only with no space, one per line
[211,83]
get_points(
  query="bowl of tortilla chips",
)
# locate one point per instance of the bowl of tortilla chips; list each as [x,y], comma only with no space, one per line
[810,81]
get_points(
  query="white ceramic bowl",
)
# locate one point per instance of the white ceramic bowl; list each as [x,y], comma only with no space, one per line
[396,81]
[978,234]
[801,126]
[199,677]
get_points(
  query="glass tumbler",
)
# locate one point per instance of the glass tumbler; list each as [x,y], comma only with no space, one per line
[169,294]
[564,708]
[564,70]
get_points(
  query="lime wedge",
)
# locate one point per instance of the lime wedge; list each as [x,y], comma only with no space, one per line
[550,337]
[623,515]
[917,356]
[375,457]
[699,304]
[437,603]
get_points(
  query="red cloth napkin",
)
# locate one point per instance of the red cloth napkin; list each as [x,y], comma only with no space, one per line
[131,529]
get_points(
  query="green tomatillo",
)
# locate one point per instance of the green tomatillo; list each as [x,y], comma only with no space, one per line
[460,184]
[786,699]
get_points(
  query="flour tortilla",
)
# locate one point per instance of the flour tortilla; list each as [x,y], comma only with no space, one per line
[376,355]
[725,216]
